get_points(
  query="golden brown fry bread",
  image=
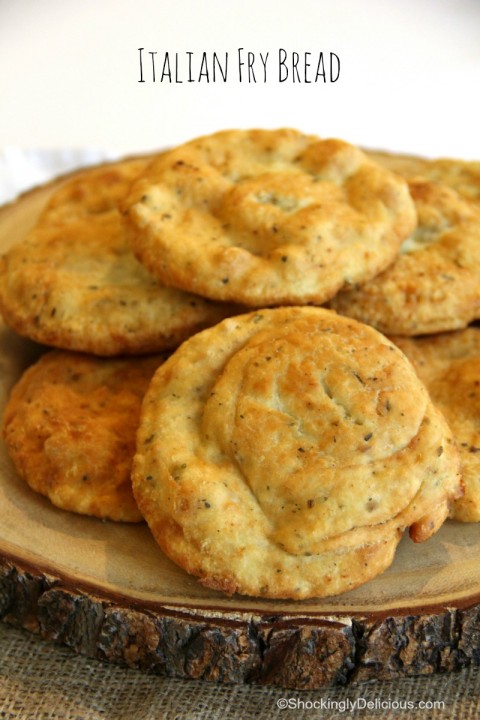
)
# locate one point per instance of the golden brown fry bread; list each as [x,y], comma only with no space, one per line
[461,175]
[290,462]
[74,282]
[449,365]
[267,217]
[70,426]
[434,285]
[93,191]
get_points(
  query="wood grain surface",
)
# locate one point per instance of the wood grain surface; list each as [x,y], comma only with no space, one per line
[107,590]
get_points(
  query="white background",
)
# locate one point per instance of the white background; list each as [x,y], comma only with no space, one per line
[409,80]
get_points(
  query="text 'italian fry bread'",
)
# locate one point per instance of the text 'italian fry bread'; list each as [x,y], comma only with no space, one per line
[434,285]
[74,282]
[282,454]
[449,365]
[461,175]
[267,217]
[69,427]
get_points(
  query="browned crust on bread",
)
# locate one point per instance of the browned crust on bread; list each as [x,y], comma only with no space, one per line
[69,427]
[463,176]
[434,285]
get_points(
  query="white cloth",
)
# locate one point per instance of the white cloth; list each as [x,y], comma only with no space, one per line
[21,169]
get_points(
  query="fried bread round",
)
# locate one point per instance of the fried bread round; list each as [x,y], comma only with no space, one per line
[75,284]
[290,462]
[461,175]
[69,427]
[93,190]
[449,365]
[267,217]
[434,285]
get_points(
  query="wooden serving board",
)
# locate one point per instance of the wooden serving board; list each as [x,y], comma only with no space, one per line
[107,590]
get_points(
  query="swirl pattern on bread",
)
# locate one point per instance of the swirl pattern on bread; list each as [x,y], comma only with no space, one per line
[282,453]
